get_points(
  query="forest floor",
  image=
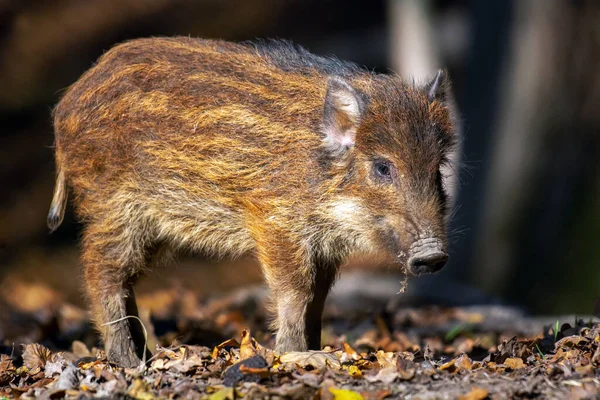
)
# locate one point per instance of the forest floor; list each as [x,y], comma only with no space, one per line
[218,347]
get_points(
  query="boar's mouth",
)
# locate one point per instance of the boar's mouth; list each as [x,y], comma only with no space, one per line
[427,256]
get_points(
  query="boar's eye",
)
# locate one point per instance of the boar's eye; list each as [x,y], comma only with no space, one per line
[383,171]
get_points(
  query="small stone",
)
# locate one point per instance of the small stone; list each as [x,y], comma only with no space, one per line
[233,375]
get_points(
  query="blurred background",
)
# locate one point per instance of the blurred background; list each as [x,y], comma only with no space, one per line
[526,77]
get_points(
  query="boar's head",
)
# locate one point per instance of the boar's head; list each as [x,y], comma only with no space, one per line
[392,140]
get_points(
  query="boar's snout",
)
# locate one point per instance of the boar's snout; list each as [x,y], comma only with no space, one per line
[427,256]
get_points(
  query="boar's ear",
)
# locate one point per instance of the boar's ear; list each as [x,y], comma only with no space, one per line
[341,114]
[439,87]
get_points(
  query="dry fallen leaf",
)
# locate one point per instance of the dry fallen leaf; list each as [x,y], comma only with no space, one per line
[567,367]
[80,350]
[35,357]
[378,395]
[464,362]
[448,366]
[571,341]
[585,370]
[262,372]
[386,359]
[385,375]
[7,369]
[514,363]
[227,343]
[84,365]
[351,352]
[476,393]
[247,347]
[316,359]
[140,390]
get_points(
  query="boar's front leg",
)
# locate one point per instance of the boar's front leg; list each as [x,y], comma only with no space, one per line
[324,277]
[112,263]
[299,286]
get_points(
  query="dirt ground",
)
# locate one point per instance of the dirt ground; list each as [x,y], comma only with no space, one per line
[218,347]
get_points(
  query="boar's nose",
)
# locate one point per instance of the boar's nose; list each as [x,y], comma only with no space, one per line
[428,261]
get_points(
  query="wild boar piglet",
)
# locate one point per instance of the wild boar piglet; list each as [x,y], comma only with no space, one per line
[263,149]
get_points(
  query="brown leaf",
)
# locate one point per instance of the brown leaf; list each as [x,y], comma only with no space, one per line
[406,343]
[97,370]
[42,382]
[406,367]
[491,366]
[316,359]
[386,359]
[247,347]
[80,350]
[596,357]
[367,339]
[18,391]
[458,364]
[385,375]
[407,375]
[262,372]
[449,366]
[514,363]
[140,390]
[85,365]
[382,394]
[476,393]
[350,351]
[464,363]
[586,370]
[7,369]
[227,343]
[464,345]
[571,341]
[35,357]
[379,395]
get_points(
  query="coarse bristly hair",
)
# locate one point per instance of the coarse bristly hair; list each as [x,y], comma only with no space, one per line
[251,148]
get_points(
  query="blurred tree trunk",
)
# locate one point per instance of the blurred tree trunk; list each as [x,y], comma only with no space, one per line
[545,159]
[413,50]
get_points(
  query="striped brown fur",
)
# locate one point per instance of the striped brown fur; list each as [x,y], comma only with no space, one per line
[252,148]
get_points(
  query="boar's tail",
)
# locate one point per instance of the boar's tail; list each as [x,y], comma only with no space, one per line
[59,201]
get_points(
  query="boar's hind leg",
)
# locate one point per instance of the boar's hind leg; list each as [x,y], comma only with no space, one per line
[298,290]
[112,261]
